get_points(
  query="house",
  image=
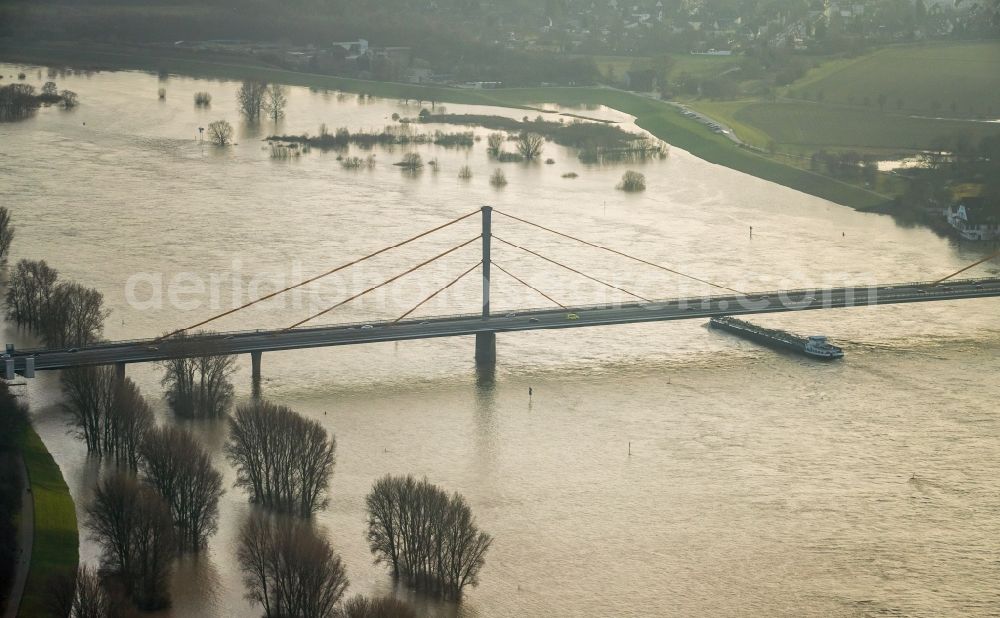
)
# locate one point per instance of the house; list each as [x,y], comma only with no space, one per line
[973,220]
[354,49]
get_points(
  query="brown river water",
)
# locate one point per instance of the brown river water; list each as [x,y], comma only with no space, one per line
[758,483]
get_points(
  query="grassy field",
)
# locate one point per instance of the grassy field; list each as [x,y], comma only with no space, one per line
[912,78]
[804,127]
[662,120]
[699,66]
[56,544]
[848,115]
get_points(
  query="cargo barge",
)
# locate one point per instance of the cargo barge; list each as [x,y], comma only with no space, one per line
[816,346]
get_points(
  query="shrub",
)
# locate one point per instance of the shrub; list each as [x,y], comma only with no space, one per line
[498,179]
[494,143]
[510,157]
[202,99]
[411,162]
[632,182]
[465,173]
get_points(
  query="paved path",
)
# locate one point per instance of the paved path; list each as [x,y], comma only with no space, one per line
[25,540]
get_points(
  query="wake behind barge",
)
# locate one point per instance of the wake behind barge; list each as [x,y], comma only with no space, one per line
[814,347]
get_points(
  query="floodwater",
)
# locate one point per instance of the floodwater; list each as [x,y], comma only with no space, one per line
[659,469]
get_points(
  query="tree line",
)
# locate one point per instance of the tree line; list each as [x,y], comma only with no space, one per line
[61,313]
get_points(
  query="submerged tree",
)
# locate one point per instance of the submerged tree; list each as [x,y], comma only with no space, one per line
[30,292]
[202,99]
[69,99]
[360,606]
[6,232]
[220,133]
[530,145]
[198,386]
[81,594]
[111,415]
[494,143]
[132,524]
[498,178]
[289,569]
[75,316]
[428,539]
[250,98]
[275,101]
[411,162]
[281,458]
[181,471]
[632,182]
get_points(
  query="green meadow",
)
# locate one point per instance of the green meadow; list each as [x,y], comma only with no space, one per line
[56,543]
[924,79]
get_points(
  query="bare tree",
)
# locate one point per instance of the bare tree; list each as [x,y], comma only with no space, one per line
[6,232]
[360,606]
[111,415]
[428,539]
[220,133]
[29,293]
[181,471]
[494,143]
[132,524]
[198,386]
[89,394]
[74,317]
[81,594]
[530,145]
[131,419]
[281,458]
[289,569]
[250,98]
[275,100]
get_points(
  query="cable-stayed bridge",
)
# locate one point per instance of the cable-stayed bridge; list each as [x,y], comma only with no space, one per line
[484,325]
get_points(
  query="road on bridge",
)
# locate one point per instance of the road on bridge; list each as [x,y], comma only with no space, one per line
[153,350]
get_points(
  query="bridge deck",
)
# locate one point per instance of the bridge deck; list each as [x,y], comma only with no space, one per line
[151,350]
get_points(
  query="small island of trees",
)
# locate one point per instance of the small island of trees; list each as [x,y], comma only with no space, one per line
[18,101]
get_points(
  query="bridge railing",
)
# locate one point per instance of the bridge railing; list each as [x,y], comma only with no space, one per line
[201,336]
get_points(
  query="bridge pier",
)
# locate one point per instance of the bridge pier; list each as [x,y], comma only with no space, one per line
[486,349]
[120,372]
[255,358]
[255,363]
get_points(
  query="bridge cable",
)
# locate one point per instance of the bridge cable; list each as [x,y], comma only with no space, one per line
[570,268]
[631,257]
[384,283]
[958,272]
[524,283]
[453,282]
[317,277]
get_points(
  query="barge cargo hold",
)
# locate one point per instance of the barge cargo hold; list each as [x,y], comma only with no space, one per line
[816,346]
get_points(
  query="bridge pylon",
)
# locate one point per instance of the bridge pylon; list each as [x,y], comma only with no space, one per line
[486,343]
